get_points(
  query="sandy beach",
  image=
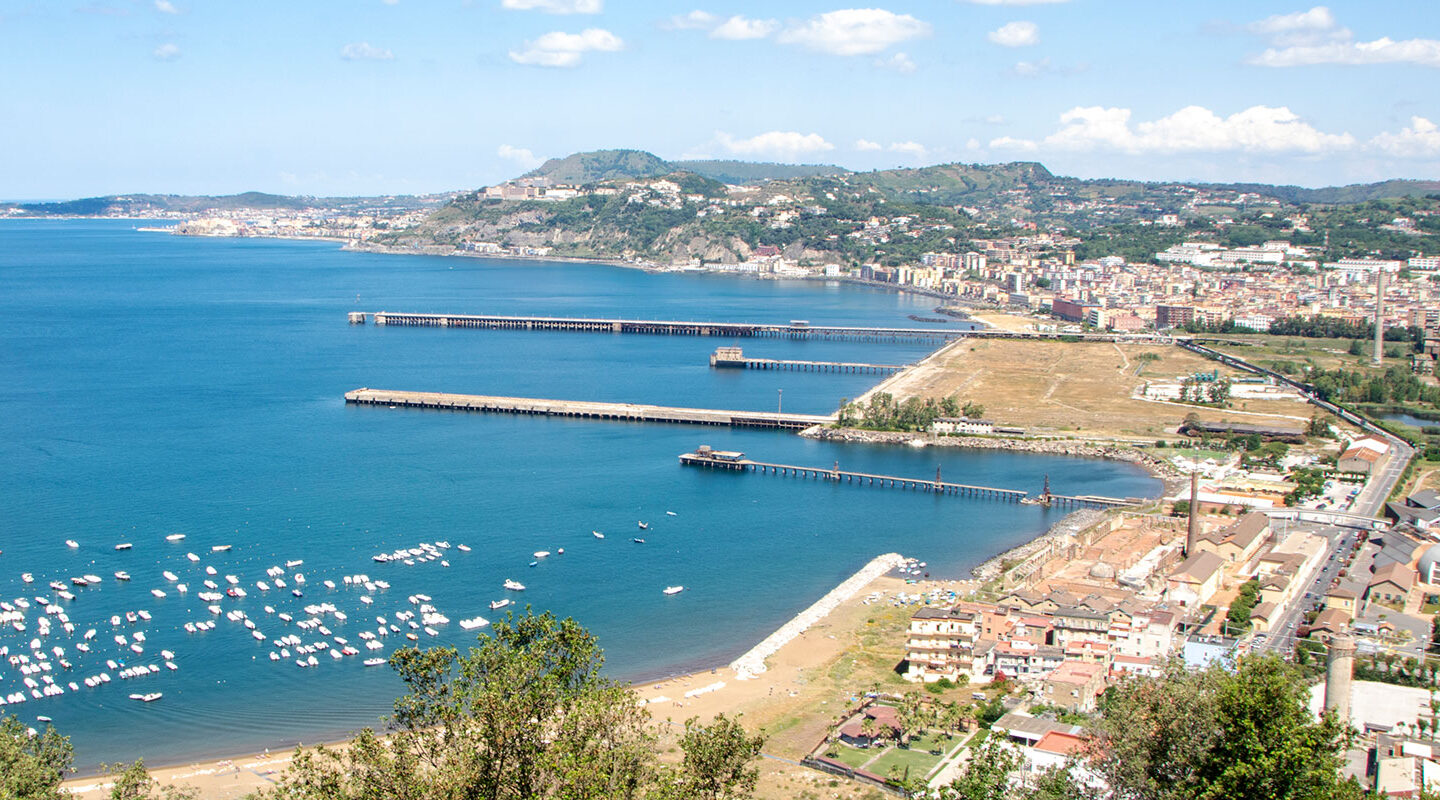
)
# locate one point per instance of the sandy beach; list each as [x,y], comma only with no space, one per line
[785,684]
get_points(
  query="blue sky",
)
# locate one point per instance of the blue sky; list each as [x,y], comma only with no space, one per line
[403,96]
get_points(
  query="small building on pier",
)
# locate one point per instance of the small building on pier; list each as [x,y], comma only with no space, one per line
[705,451]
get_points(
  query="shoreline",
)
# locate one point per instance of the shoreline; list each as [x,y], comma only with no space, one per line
[792,648]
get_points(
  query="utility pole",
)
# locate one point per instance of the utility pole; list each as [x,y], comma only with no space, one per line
[780,401]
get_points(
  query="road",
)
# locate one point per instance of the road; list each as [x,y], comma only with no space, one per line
[1377,490]
[1281,638]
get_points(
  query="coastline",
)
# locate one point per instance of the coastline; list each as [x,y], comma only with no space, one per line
[804,643]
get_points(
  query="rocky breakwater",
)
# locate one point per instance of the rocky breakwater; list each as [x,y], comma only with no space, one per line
[1159,467]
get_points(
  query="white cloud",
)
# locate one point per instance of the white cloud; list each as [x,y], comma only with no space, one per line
[519,155]
[167,52]
[1031,69]
[777,144]
[1015,2]
[364,51]
[1015,34]
[908,148]
[556,6]
[1313,37]
[391,2]
[972,143]
[1258,129]
[560,49]
[695,20]
[1424,52]
[738,27]
[900,62]
[866,145]
[1422,138]
[166,7]
[854,31]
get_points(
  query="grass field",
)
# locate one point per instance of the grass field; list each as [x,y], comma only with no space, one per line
[1081,388]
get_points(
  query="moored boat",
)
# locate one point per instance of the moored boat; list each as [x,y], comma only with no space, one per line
[673,590]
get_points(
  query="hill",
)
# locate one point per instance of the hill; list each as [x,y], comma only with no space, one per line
[598,166]
[142,205]
[601,165]
[1353,193]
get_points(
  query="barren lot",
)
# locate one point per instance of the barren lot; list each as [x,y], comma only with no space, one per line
[1084,388]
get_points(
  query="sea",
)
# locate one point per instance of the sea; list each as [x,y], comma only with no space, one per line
[153,385]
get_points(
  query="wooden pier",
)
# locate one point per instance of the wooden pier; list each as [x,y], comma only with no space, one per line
[617,412]
[734,358]
[705,457]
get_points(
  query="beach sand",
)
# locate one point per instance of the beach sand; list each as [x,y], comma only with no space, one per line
[787,686]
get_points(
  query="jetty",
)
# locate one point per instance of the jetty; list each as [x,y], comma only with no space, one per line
[794,329]
[734,358]
[615,412]
[705,456]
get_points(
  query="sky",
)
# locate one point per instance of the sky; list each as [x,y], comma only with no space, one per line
[332,97]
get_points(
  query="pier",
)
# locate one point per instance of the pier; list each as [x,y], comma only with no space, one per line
[721,459]
[616,412]
[795,329]
[734,358]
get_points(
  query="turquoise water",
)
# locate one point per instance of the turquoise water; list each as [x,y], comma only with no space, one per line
[155,385]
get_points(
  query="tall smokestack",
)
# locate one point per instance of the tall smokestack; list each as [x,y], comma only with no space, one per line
[1190,529]
[1379,316]
[1339,666]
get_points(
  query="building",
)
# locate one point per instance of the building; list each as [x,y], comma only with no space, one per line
[940,644]
[1390,584]
[1195,580]
[1402,767]
[962,425]
[1342,599]
[1239,542]
[1362,455]
[1167,316]
[1074,686]
[1070,310]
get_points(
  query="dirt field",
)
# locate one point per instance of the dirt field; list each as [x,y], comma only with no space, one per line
[1083,388]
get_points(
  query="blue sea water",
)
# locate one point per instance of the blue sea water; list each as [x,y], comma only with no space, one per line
[153,385]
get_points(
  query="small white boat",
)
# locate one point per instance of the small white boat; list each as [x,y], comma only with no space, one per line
[464,548]
[297,562]
[673,589]
[473,623]
[671,514]
[124,546]
[192,556]
[643,525]
[27,577]
[373,662]
[147,698]
[220,548]
[174,537]
[170,576]
[597,534]
[92,578]
[122,575]
[496,605]
[157,593]
[541,553]
[514,585]
[72,544]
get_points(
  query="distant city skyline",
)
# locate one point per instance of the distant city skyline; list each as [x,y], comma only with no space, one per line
[403,96]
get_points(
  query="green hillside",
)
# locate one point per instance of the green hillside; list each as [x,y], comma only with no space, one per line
[601,165]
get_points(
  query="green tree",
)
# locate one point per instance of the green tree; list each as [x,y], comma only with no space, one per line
[986,775]
[1216,733]
[31,767]
[133,782]
[719,760]
[525,714]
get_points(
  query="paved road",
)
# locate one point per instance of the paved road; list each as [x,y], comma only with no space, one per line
[1281,638]
[1377,490]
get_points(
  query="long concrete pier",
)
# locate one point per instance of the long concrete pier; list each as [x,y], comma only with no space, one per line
[618,412]
[795,329]
[735,461]
[734,358]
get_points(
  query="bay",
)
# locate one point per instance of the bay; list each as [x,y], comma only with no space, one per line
[153,385]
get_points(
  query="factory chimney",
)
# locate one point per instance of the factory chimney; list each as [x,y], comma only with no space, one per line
[1379,316]
[1338,669]
[1190,525]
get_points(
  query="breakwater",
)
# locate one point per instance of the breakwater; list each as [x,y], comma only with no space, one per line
[753,661]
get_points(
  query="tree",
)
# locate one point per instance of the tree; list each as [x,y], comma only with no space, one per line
[1217,734]
[986,775]
[133,782]
[525,714]
[719,762]
[31,767]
